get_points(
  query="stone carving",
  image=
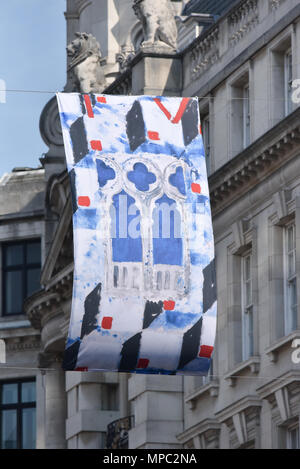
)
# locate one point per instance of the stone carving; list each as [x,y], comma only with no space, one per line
[243,20]
[158,21]
[124,58]
[205,53]
[85,64]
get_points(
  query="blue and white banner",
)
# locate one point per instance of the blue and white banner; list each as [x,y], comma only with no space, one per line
[144,294]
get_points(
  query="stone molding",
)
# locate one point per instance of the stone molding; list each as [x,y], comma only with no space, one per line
[286,341]
[283,395]
[252,365]
[242,20]
[203,434]
[242,419]
[205,53]
[50,129]
[211,388]
[275,4]
[255,163]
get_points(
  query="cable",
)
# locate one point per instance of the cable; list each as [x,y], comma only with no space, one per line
[208,97]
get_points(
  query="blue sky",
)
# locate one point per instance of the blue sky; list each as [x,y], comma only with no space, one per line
[32,57]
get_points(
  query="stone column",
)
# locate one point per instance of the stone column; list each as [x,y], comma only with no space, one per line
[55,402]
[157,73]
[88,418]
[158,411]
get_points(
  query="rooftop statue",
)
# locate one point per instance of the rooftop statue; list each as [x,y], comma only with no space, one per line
[159,26]
[85,64]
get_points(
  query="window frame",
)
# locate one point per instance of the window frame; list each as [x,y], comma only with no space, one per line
[205,125]
[24,267]
[289,431]
[247,308]
[288,80]
[246,116]
[19,406]
[289,279]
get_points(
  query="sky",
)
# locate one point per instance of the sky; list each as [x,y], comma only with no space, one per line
[32,57]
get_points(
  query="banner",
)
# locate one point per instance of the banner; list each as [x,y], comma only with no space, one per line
[144,293]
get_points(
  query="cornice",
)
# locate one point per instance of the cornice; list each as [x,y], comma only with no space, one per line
[45,302]
[268,390]
[211,388]
[255,163]
[243,404]
[198,429]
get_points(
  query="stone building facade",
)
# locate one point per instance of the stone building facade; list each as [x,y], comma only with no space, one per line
[241,59]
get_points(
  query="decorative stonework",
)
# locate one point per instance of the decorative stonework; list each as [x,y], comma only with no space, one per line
[243,20]
[50,129]
[122,85]
[243,421]
[204,435]
[158,21]
[124,58]
[274,4]
[85,64]
[205,53]
[254,162]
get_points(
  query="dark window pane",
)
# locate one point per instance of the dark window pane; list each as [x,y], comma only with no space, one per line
[33,253]
[9,429]
[33,280]
[13,292]
[28,429]
[28,392]
[9,394]
[14,255]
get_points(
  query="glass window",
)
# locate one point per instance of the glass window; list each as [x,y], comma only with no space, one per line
[206,141]
[9,393]
[246,116]
[28,392]
[9,429]
[291,281]
[21,274]
[293,441]
[17,415]
[247,306]
[28,428]
[288,81]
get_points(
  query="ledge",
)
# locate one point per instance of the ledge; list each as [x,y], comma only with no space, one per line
[198,429]
[275,348]
[253,365]
[266,391]
[256,162]
[211,388]
[241,405]
[15,324]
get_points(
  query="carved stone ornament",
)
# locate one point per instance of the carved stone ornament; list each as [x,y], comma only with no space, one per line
[158,21]
[85,64]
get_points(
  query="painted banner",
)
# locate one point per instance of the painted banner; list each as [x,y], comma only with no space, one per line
[144,292]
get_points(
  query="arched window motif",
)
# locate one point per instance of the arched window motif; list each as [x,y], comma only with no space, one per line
[167,233]
[126,236]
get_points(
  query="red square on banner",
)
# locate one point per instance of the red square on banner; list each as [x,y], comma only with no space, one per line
[143,363]
[96,145]
[106,322]
[206,351]
[84,201]
[196,188]
[101,99]
[153,135]
[169,305]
